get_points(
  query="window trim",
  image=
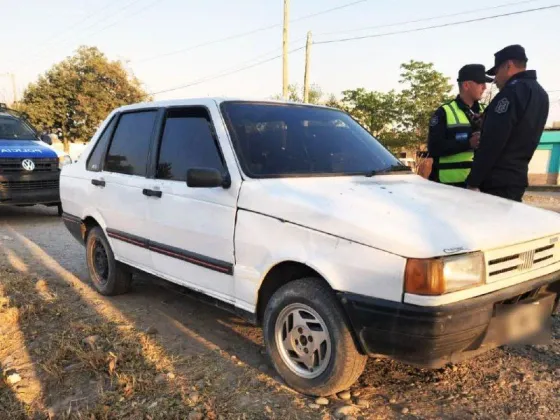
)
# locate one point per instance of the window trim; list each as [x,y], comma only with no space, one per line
[159,139]
[151,141]
[108,127]
[235,140]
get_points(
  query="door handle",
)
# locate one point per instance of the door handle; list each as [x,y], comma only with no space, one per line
[151,193]
[98,182]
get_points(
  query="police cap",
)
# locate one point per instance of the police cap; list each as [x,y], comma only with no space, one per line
[511,52]
[473,72]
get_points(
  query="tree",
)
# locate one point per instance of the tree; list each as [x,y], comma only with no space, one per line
[295,94]
[426,89]
[77,94]
[401,119]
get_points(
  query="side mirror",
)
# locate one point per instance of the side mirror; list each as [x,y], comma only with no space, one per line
[207,178]
[46,139]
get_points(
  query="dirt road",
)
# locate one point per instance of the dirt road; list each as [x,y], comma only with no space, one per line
[66,351]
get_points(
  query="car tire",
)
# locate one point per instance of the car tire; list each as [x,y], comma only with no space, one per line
[109,277]
[309,306]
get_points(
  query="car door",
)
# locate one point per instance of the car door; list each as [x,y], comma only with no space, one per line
[192,229]
[121,201]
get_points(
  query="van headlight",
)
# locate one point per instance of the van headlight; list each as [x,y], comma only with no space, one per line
[63,161]
[444,275]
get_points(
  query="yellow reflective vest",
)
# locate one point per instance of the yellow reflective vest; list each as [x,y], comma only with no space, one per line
[455,169]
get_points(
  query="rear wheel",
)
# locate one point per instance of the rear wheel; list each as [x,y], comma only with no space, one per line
[107,275]
[309,341]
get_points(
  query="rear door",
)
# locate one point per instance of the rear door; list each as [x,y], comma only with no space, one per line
[120,187]
[192,228]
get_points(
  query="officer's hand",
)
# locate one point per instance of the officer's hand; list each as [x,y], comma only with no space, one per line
[475,140]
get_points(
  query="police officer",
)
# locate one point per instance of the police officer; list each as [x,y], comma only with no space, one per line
[512,127]
[455,126]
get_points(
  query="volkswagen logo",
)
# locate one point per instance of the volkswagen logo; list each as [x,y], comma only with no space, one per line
[28,164]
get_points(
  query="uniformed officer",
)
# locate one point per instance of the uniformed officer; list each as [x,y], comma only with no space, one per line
[455,126]
[512,128]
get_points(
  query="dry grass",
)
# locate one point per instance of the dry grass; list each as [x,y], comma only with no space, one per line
[135,375]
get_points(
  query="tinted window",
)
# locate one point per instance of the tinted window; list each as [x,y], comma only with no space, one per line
[128,152]
[273,140]
[96,156]
[14,129]
[187,142]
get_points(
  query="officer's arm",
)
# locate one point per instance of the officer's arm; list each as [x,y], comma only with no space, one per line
[501,117]
[438,143]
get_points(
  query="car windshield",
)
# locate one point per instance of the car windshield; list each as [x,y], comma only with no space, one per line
[14,129]
[281,140]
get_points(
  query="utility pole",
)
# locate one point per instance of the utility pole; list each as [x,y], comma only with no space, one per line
[306,74]
[14,88]
[285,50]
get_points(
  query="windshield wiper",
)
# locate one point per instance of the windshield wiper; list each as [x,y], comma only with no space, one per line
[391,169]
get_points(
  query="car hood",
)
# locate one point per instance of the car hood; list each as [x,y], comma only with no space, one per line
[401,214]
[25,149]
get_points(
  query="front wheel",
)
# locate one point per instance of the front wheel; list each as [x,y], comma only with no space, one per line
[107,275]
[309,341]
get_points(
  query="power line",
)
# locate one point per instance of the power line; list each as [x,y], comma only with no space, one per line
[226,73]
[152,4]
[466,12]
[247,33]
[95,23]
[425,28]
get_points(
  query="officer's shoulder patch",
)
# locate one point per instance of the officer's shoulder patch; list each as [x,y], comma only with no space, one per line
[434,120]
[502,106]
[514,82]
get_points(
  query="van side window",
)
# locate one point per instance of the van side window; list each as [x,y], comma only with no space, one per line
[128,153]
[187,142]
[94,162]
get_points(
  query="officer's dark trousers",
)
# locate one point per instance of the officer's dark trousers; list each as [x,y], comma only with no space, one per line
[511,193]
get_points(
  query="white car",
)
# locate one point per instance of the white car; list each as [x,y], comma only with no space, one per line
[295,217]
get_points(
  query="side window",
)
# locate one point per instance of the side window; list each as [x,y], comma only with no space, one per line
[128,153]
[187,142]
[94,160]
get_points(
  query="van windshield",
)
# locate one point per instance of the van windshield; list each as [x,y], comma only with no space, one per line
[281,140]
[14,129]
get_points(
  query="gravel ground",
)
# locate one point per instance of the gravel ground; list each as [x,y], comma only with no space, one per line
[220,358]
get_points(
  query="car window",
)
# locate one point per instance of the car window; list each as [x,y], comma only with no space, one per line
[187,142]
[14,129]
[128,153]
[95,158]
[276,140]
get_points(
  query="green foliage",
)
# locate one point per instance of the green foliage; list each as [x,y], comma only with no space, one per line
[295,94]
[401,119]
[77,94]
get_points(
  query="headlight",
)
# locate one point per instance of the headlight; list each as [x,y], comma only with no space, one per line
[64,160]
[444,275]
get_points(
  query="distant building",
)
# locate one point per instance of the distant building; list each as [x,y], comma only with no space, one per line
[544,167]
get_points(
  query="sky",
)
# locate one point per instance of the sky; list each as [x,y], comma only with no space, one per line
[155,40]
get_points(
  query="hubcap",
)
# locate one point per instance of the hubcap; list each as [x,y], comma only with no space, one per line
[100,262]
[303,340]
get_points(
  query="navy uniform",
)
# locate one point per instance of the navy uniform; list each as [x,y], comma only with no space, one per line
[512,128]
[451,127]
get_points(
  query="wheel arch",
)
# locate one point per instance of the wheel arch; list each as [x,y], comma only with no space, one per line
[281,274]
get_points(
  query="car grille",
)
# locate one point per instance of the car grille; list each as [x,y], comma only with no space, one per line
[41,165]
[518,259]
[28,185]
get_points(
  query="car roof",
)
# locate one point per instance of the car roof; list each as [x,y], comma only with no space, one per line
[206,102]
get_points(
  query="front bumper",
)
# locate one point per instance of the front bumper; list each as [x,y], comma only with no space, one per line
[30,188]
[434,336]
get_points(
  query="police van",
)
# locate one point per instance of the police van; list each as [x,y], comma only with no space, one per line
[29,166]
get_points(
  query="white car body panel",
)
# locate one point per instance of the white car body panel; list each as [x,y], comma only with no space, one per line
[355,231]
